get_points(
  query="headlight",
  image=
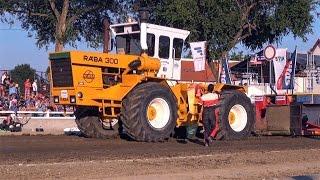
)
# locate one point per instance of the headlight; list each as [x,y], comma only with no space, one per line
[56,99]
[79,95]
[72,99]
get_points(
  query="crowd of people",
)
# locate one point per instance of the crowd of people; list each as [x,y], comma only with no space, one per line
[13,98]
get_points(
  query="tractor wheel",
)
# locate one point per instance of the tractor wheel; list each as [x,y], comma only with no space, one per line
[91,126]
[236,116]
[149,113]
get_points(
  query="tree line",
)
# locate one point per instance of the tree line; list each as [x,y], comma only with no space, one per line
[222,23]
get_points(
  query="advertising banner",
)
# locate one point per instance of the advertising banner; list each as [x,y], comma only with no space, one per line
[279,63]
[198,50]
[286,79]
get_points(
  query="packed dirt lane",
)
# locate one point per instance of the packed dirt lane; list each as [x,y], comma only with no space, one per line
[75,157]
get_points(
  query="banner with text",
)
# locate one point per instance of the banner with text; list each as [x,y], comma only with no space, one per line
[198,50]
[279,63]
[286,79]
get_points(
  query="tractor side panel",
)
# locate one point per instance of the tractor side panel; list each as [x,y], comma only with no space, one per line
[188,111]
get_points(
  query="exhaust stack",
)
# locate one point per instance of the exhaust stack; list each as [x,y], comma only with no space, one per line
[106,35]
[144,17]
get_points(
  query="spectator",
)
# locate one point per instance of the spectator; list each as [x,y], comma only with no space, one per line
[2,106]
[3,77]
[13,106]
[11,99]
[41,106]
[12,89]
[35,87]
[2,91]
[18,91]
[30,103]
[4,103]
[27,87]
[6,85]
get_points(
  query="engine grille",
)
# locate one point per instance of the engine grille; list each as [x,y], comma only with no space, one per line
[61,73]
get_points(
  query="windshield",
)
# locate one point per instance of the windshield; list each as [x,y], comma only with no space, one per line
[130,44]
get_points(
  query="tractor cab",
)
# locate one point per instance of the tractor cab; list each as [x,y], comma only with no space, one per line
[164,43]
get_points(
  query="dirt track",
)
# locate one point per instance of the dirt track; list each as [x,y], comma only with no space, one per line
[75,157]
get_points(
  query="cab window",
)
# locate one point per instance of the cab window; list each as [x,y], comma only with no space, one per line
[177,45]
[150,42]
[130,44]
[164,47]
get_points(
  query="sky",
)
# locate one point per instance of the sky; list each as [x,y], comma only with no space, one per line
[17,48]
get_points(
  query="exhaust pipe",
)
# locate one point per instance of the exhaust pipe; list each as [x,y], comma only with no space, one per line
[144,17]
[106,35]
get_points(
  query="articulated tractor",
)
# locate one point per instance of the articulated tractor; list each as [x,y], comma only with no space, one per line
[134,86]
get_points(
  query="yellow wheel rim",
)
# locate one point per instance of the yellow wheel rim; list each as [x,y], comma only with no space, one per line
[158,113]
[151,113]
[238,118]
[231,118]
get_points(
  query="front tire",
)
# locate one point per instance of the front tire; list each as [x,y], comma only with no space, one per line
[236,116]
[149,112]
[90,125]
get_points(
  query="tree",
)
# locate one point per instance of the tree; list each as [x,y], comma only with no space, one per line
[22,72]
[237,56]
[63,21]
[225,23]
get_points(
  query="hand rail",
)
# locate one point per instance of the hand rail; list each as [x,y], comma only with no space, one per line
[35,112]
[46,114]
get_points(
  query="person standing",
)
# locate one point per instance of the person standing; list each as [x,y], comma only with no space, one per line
[27,87]
[208,101]
[2,91]
[3,77]
[12,89]
[35,87]
[18,91]
[6,85]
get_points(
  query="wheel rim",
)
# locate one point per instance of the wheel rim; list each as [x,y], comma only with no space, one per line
[158,113]
[238,118]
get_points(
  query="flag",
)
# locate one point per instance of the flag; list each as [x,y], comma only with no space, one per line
[286,79]
[224,72]
[258,58]
[279,63]
[198,50]
[293,58]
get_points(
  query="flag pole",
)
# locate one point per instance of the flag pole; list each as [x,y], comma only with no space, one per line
[294,70]
[219,70]
[270,73]
[206,61]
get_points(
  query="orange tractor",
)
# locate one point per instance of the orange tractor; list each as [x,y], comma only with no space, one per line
[135,84]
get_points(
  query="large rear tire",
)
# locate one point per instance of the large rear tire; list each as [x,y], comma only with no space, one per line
[236,116]
[90,125]
[149,113]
